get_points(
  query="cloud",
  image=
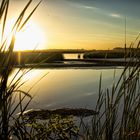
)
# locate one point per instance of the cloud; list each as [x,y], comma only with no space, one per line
[85,7]
[98,10]
[88,7]
[115,15]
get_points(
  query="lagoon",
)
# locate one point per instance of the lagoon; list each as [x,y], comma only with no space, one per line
[67,88]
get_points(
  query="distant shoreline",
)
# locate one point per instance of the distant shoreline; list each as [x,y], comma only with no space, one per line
[83,63]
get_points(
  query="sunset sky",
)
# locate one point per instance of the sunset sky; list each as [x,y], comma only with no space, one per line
[83,24]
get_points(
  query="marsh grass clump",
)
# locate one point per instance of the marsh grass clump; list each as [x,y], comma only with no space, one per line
[10,89]
[56,127]
[119,107]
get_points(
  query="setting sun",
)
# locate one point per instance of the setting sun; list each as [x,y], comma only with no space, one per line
[30,38]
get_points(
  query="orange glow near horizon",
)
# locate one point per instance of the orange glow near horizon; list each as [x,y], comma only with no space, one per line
[32,37]
[74,25]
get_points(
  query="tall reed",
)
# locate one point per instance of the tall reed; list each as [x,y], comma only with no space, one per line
[8,106]
[119,107]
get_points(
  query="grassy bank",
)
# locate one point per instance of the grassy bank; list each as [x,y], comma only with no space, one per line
[22,58]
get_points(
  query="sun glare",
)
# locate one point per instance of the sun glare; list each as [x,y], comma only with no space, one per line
[31,37]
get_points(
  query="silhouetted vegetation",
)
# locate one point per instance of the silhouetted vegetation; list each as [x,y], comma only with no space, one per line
[115,53]
[11,89]
[21,58]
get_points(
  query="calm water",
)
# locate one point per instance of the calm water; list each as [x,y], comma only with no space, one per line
[67,87]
